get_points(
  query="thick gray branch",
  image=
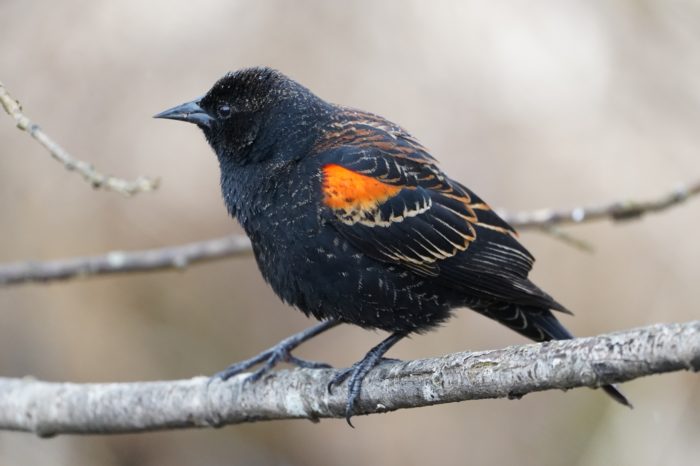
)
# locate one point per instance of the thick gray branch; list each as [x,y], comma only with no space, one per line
[89,173]
[220,248]
[58,408]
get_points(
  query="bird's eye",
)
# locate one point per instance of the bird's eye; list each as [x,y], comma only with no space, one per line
[223,111]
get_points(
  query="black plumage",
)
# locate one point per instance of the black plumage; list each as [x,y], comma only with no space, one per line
[352,221]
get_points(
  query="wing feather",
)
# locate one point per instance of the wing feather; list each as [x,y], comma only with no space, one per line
[394,204]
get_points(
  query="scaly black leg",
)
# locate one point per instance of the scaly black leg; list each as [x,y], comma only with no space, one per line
[281,352]
[360,369]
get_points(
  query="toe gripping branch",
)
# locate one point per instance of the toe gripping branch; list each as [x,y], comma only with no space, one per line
[359,371]
[281,352]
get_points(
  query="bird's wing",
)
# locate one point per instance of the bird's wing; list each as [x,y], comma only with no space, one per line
[384,193]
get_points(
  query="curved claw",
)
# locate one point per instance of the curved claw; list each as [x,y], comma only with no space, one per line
[359,371]
[339,378]
[357,375]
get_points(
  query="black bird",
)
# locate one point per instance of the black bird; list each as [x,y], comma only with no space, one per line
[352,221]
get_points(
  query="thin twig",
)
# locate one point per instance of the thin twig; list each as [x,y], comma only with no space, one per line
[567,238]
[177,257]
[61,408]
[89,173]
[616,211]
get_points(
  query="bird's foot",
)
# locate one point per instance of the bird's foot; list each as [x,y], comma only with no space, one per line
[281,352]
[270,358]
[359,371]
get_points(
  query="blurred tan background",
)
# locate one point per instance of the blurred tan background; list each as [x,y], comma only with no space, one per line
[532,104]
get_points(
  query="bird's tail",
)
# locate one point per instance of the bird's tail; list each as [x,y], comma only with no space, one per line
[539,325]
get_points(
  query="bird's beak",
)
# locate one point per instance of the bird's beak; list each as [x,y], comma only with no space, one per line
[190,112]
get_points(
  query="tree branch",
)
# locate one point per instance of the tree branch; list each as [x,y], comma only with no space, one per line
[616,211]
[177,257]
[221,248]
[61,408]
[89,173]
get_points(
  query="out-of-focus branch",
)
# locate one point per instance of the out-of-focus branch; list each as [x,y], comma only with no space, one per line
[61,408]
[89,173]
[220,248]
[175,257]
[616,211]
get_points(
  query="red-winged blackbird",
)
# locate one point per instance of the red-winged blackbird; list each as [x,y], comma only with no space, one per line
[352,221]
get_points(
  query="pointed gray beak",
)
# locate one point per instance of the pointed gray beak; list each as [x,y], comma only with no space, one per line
[190,112]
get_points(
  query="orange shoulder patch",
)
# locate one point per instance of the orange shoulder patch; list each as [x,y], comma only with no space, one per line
[348,190]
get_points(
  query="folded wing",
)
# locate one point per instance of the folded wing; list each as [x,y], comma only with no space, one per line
[385,194]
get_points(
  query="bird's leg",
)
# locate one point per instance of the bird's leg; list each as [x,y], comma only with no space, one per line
[281,352]
[360,369]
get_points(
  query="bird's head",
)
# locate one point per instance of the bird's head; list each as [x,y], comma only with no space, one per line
[250,115]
